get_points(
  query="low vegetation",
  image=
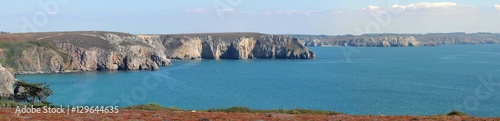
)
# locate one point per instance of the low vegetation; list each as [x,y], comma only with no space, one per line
[151,106]
[457,113]
[292,111]
[157,107]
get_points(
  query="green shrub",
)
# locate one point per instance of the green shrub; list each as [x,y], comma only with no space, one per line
[457,113]
[6,103]
[33,92]
[151,106]
[233,110]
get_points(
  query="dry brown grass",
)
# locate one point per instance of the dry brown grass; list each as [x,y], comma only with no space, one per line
[86,39]
[8,114]
[222,36]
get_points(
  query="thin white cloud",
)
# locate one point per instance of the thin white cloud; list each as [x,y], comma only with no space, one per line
[298,12]
[426,5]
[435,8]
[195,10]
[249,12]
[234,11]
[371,8]
[267,13]
[497,6]
[52,13]
[337,12]
[374,10]
[226,10]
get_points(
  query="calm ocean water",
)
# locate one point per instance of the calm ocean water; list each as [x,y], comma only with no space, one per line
[388,81]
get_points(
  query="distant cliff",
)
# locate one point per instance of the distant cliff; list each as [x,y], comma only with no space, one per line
[233,46]
[400,40]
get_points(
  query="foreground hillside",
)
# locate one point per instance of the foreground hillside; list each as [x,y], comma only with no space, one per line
[147,115]
[401,40]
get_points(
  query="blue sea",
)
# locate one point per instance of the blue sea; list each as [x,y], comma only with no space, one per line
[353,80]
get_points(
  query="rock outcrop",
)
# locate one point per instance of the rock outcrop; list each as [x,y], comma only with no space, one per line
[7,81]
[233,46]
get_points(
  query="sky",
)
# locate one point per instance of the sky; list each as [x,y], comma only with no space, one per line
[328,17]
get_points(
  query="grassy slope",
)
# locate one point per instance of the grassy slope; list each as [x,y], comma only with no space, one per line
[12,51]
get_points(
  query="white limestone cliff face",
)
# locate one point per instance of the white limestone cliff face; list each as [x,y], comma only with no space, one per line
[209,46]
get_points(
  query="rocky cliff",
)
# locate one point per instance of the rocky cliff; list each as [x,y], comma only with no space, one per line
[6,82]
[400,40]
[232,46]
[60,52]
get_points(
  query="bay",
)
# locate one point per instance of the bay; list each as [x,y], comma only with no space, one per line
[353,80]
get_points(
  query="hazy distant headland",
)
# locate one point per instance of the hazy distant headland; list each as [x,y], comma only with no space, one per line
[401,40]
